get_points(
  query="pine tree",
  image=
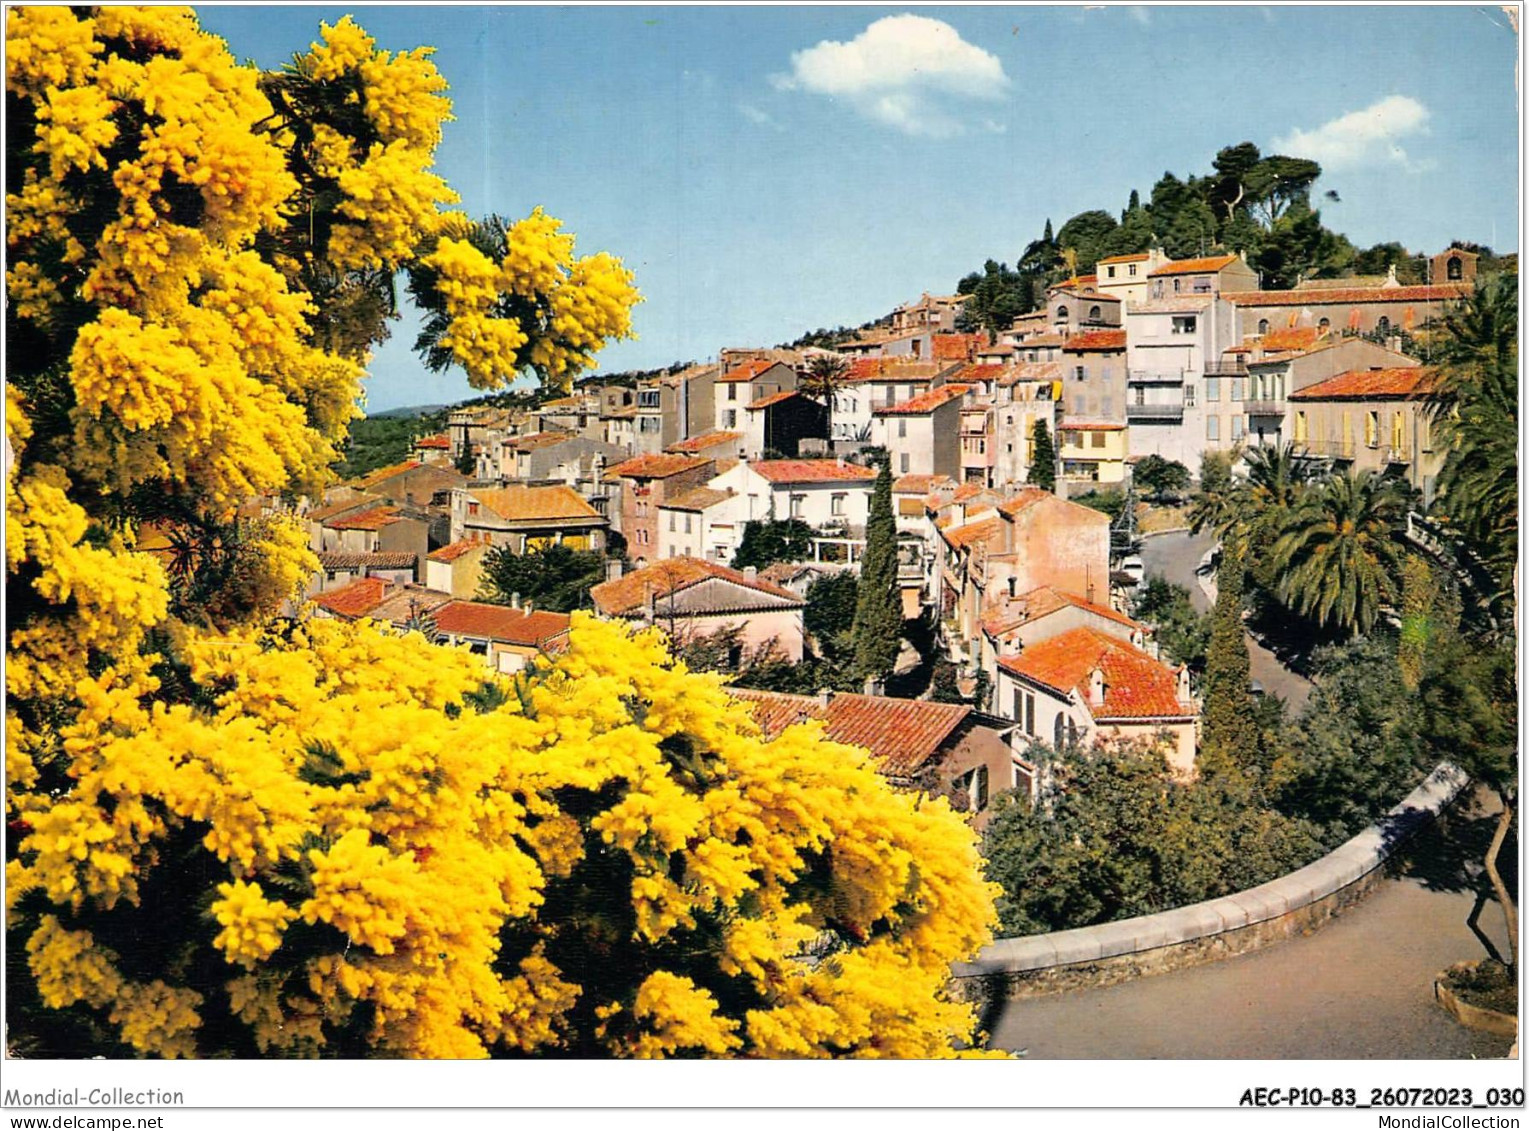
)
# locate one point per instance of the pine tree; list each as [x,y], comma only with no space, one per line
[1229,735]
[1043,464]
[878,626]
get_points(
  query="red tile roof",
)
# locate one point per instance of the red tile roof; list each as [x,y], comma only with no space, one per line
[1371,384]
[500,622]
[374,519]
[658,465]
[1442,293]
[1090,426]
[926,401]
[901,734]
[356,599]
[747,371]
[701,443]
[920,484]
[981,371]
[812,471]
[329,510]
[1135,685]
[456,550]
[1201,266]
[973,532]
[629,593]
[955,347]
[532,441]
[534,504]
[372,478]
[697,499]
[438,443]
[1032,371]
[380,559]
[1292,338]
[773,399]
[1042,602]
[1137,258]
[1027,498]
[967,491]
[1038,341]
[1096,341]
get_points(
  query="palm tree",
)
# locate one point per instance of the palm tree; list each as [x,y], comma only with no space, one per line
[1276,480]
[1339,551]
[825,377]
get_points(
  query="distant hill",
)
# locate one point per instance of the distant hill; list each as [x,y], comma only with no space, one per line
[411,410]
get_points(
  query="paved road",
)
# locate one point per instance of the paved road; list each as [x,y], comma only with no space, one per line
[1358,988]
[1174,557]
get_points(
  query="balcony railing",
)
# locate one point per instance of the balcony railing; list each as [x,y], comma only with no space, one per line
[1264,408]
[1398,455]
[1155,377]
[1174,411]
[1226,368]
[1325,449]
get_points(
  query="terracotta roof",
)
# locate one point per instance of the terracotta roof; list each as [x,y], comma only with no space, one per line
[356,599]
[1040,340]
[329,510]
[901,734]
[1440,293]
[1042,602]
[372,478]
[920,484]
[440,443]
[926,401]
[1137,258]
[1371,384]
[500,622]
[1135,685]
[773,399]
[405,602]
[1292,338]
[380,559]
[980,371]
[374,519]
[1028,497]
[564,402]
[1032,371]
[531,441]
[1096,341]
[1089,426]
[748,370]
[812,471]
[1004,349]
[697,500]
[967,491]
[955,347]
[701,443]
[973,532]
[629,593]
[1193,266]
[657,465]
[456,550]
[521,504]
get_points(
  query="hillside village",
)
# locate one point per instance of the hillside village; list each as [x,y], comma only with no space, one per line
[989,437]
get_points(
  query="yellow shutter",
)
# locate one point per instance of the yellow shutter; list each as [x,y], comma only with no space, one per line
[1397,430]
[1300,427]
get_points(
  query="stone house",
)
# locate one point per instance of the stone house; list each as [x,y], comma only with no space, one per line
[643,484]
[922,434]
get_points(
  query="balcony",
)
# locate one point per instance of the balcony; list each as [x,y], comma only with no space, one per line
[1237,368]
[1174,411]
[1398,455]
[1153,377]
[1264,408]
[1325,449]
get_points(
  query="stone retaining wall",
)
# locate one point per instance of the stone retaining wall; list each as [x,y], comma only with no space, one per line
[1203,932]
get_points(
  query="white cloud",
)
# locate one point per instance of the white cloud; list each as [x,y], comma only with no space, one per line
[1370,136]
[757,116]
[908,72]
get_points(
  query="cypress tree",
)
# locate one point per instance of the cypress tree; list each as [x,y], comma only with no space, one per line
[1228,734]
[1043,466]
[878,626]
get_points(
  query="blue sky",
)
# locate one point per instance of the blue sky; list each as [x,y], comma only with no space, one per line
[768,170]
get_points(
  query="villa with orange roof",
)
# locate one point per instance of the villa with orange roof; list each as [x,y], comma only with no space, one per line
[692,598]
[1125,276]
[1206,275]
[777,423]
[923,433]
[1371,420]
[1094,387]
[826,494]
[1085,685]
[1283,361]
[526,518]
[644,483]
[457,568]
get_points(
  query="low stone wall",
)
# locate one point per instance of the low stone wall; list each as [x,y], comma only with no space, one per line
[1203,932]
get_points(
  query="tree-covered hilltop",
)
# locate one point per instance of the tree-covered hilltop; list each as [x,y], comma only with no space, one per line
[1251,203]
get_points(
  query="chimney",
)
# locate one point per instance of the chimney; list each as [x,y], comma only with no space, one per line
[874,685]
[825,696]
[514,600]
[529,608]
[750,573]
[613,569]
[1096,688]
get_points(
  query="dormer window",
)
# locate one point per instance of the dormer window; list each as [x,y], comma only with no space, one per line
[1093,314]
[1061,314]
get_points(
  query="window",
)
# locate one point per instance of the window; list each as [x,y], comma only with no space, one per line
[1094,314]
[1189,396]
[836,503]
[1184,323]
[472,510]
[1396,431]
[1213,428]
[732,392]
[1213,390]
[1056,732]
[1300,427]
[1201,285]
[671,522]
[1078,374]
[1237,427]
[1425,438]
[1347,433]
[1324,325]
[1061,314]
[687,524]
[1383,324]
[1096,440]
[1236,389]
[1109,272]
[1178,285]
[1030,714]
[730,417]
[647,398]
[1454,269]
[979,788]
[1263,326]
[902,462]
[1131,270]
[797,503]
[1372,429]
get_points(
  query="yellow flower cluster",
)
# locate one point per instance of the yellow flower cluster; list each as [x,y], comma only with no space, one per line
[252,924]
[392,201]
